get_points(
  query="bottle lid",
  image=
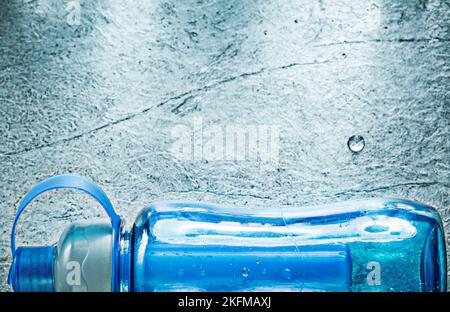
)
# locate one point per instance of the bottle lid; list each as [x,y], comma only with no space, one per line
[84,258]
[39,259]
[33,269]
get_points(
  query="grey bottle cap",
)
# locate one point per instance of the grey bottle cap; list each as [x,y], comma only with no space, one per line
[84,259]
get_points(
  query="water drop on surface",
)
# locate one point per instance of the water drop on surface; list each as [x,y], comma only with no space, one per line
[257,261]
[245,272]
[287,274]
[356,143]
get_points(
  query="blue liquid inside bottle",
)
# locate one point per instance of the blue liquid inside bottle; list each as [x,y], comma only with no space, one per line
[372,245]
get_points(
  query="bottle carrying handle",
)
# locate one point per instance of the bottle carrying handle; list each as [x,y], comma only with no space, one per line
[69,181]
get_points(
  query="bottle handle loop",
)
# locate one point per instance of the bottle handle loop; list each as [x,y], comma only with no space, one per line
[68,181]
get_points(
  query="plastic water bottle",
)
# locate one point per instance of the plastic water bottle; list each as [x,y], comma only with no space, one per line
[368,245]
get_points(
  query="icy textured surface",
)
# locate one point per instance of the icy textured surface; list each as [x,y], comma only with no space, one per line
[100,99]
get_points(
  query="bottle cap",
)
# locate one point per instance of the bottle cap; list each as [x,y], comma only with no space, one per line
[33,269]
[84,258]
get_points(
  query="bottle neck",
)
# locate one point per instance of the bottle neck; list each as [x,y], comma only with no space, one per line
[125,262]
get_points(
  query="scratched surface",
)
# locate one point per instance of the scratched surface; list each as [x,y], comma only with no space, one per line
[100,99]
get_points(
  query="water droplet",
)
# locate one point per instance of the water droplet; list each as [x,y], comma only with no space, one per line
[245,272]
[356,143]
[287,274]
[257,261]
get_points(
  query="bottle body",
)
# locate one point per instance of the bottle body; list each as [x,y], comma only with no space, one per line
[371,245]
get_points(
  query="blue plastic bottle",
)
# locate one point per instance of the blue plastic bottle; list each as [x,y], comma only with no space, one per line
[369,245]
